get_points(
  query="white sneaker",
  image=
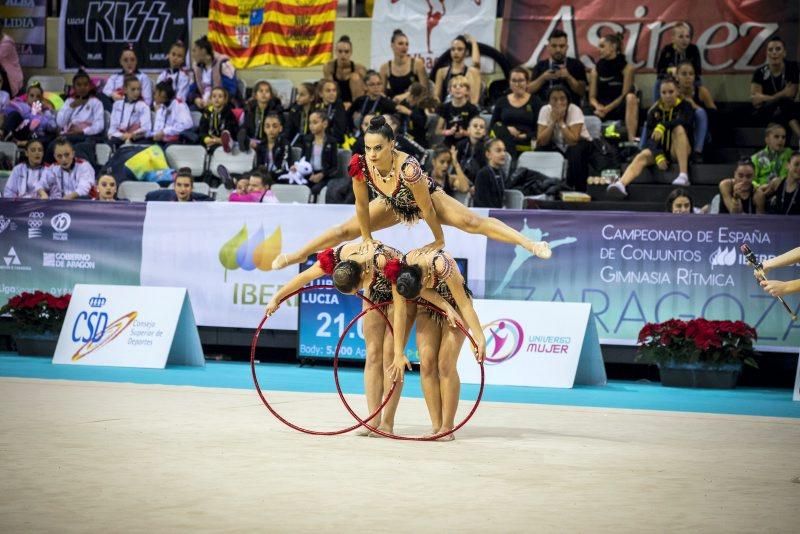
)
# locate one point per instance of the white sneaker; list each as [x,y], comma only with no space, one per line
[682,179]
[616,190]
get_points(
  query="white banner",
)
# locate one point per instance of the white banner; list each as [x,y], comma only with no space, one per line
[430,26]
[540,344]
[222,253]
[129,326]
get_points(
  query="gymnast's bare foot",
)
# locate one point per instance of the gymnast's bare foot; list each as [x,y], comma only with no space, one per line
[383,427]
[449,437]
[540,249]
[283,260]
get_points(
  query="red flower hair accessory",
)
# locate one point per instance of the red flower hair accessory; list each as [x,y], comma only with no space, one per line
[358,167]
[327,260]
[392,269]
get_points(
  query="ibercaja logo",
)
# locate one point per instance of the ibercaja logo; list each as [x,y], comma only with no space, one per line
[92,327]
[250,252]
[504,339]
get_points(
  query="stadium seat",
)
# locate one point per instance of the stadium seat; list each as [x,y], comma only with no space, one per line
[322,193]
[513,199]
[235,163]
[10,150]
[196,116]
[343,162]
[291,193]
[53,84]
[192,156]
[102,152]
[3,181]
[550,164]
[135,191]
[222,193]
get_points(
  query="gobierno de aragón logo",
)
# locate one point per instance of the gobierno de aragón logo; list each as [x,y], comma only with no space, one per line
[250,252]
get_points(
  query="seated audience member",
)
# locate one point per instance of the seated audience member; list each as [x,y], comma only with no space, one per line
[274,153]
[782,198]
[399,76]
[13,78]
[669,122]
[69,178]
[28,116]
[328,101]
[242,183]
[451,182]
[218,126]
[414,111]
[258,190]
[562,129]
[114,88]
[458,67]
[25,176]
[470,150]
[773,90]
[183,190]
[106,188]
[349,76]
[210,71]
[702,104]
[772,161]
[263,103]
[611,91]
[559,70]
[321,151]
[81,118]
[679,51]
[737,193]
[454,116]
[403,143]
[130,118]
[297,118]
[373,102]
[490,184]
[178,76]
[680,201]
[172,115]
[358,146]
[515,115]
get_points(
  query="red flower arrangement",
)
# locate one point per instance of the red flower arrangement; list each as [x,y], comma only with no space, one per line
[38,311]
[698,340]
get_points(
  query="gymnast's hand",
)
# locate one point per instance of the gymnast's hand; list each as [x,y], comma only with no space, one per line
[480,354]
[452,316]
[367,244]
[397,369]
[433,247]
[272,307]
[776,288]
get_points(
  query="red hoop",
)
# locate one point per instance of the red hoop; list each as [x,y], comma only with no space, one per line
[263,398]
[381,432]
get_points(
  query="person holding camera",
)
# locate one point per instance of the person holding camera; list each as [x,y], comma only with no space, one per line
[559,70]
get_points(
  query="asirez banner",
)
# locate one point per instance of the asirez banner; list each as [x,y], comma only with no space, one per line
[93,33]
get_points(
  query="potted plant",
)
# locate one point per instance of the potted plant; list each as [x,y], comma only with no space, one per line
[698,353]
[37,320]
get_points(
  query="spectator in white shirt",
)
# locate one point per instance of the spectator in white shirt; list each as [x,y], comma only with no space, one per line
[69,178]
[130,117]
[25,176]
[81,116]
[114,86]
[172,115]
[177,74]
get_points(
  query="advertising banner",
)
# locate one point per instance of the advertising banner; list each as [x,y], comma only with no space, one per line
[25,21]
[649,267]
[430,26]
[222,253]
[51,245]
[730,34]
[93,33]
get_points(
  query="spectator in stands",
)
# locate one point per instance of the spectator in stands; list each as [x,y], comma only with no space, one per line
[374,102]
[679,51]
[515,115]
[399,76]
[561,128]
[680,201]
[242,184]
[297,118]
[773,90]
[404,144]
[130,118]
[106,188]
[274,153]
[358,146]
[699,97]
[25,176]
[737,193]
[559,70]
[670,123]
[782,199]
[471,150]
[27,117]
[183,190]
[211,70]
[69,178]
[458,67]
[772,161]
[328,98]
[81,117]
[349,76]
[451,182]
[114,88]
[611,91]
[321,151]
[454,115]
[177,74]
[172,116]
[218,126]
[9,63]
[257,189]
[490,182]
[414,111]
[263,103]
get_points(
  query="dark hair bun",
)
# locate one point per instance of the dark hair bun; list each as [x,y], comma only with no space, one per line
[344,39]
[377,122]
[409,282]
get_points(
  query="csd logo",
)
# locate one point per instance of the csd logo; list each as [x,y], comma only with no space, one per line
[89,327]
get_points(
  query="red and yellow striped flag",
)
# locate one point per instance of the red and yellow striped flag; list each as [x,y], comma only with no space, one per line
[289,33]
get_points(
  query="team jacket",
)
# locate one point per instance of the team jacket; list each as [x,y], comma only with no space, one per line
[58,182]
[88,116]
[129,117]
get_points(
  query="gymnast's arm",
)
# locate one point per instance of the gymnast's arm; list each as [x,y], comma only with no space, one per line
[787,258]
[397,369]
[361,192]
[456,284]
[309,275]
[436,299]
